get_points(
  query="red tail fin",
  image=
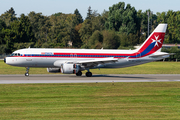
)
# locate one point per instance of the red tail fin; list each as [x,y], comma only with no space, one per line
[154,42]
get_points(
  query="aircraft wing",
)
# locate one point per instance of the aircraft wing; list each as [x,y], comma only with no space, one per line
[95,62]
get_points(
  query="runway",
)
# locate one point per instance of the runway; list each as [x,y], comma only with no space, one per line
[50,78]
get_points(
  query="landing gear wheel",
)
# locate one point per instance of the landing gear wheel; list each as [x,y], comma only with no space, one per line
[89,74]
[26,74]
[79,73]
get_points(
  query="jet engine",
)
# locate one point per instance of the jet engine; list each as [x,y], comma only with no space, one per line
[70,68]
[53,70]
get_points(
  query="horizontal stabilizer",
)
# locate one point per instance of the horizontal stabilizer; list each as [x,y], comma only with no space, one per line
[161,54]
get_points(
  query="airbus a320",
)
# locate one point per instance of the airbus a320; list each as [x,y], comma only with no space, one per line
[74,61]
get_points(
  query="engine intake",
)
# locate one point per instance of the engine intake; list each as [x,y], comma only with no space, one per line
[69,68]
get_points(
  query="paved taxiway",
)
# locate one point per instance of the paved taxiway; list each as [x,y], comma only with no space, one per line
[21,79]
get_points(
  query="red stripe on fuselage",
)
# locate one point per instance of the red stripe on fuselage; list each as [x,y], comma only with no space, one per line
[107,54]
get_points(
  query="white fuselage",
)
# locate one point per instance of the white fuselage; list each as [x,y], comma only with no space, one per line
[47,57]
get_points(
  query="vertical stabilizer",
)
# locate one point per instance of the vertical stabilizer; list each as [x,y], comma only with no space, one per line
[154,42]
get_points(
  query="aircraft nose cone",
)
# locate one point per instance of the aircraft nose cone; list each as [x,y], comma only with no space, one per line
[4,60]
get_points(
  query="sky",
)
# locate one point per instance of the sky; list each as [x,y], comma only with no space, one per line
[49,7]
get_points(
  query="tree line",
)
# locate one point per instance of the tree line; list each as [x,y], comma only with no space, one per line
[120,27]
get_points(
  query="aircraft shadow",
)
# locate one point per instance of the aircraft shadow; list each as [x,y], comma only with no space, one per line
[117,76]
[81,77]
[98,76]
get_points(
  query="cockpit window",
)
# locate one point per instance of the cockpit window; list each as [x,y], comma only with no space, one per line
[12,54]
[15,54]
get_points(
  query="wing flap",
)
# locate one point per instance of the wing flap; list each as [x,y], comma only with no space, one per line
[92,63]
[103,60]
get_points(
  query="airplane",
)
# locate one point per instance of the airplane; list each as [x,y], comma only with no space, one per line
[74,61]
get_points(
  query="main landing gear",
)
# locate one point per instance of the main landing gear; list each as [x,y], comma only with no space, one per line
[79,73]
[27,72]
[88,74]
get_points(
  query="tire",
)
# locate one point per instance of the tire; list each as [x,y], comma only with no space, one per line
[26,74]
[88,74]
[79,73]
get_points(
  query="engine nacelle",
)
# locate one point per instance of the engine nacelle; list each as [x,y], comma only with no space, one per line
[69,68]
[53,70]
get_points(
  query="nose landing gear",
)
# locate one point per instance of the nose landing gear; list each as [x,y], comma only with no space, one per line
[27,72]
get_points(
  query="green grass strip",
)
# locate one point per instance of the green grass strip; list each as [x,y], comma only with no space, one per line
[95,101]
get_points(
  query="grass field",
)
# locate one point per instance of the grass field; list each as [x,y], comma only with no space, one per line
[97,101]
[149,68]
